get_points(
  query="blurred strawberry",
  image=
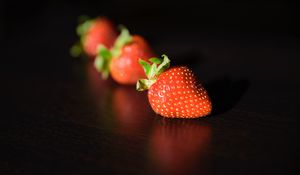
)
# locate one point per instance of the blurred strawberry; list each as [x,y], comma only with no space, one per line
[122,60]
[180,147]
[92,33]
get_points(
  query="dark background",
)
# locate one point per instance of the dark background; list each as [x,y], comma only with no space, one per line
[245,53]
[46,29]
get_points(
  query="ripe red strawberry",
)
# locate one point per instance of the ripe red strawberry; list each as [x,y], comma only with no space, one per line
[174,92]
[122,60]
[94,32]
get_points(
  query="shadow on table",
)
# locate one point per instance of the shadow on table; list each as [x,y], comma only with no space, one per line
[226,93]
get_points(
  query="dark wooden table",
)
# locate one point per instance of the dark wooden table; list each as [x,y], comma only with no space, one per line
[59,117]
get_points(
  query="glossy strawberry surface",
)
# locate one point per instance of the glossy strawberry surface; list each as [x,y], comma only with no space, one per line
[102,31]
[125,69]
[177,94]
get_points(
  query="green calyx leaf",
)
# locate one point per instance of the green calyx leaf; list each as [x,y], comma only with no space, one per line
[158,66]
[152,71]
[164,65]
[105,55]
[146,66]
[84,24]
[103,60]
[155,60]
[144,84]
[76,50]
[123,39]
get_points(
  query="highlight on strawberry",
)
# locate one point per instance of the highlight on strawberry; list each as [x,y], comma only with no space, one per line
[173,92]
[122,60]
[92,33]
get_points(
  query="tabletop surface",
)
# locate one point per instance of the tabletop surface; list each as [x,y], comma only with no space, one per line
[60,117]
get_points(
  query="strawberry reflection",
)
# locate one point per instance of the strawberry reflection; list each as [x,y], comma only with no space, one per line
[132,111]
[100,94]
[180,147]
[119,108]
[97,85]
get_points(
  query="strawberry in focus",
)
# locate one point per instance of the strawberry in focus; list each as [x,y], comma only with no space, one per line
[174,92]
[122,60]
[92,33]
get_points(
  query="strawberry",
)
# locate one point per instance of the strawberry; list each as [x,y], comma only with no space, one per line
[122,60]
[92,33]
[174,92]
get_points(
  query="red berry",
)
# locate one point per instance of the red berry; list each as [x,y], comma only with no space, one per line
[125,69]
[122,60]
[176,93]
[101,31]
[94,33]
